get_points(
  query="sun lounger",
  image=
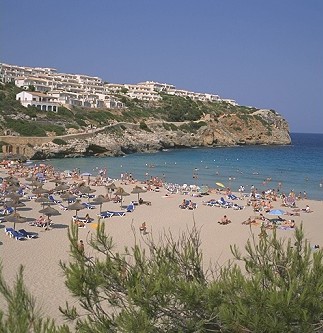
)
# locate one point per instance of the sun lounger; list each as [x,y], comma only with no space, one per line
[87,205]
[224,204]
[105,215]
[52,199]
[8,230]
[28,234]
[88,196]
[211,203]
[232,197]
[130,208]
[82,219]
[15,234]
[237,207]
[61,206]
[112,213]
[7,211]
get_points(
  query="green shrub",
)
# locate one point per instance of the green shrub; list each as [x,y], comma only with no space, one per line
[25,128]
[144,126]
[59,130]
[59,142]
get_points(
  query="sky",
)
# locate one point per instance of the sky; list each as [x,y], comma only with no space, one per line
[266,54]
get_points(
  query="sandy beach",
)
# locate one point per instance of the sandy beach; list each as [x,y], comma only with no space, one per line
[41,256]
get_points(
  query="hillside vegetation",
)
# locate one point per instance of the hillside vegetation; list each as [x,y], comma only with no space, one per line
[171,109]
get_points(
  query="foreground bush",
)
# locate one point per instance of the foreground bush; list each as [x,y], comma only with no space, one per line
[161,286]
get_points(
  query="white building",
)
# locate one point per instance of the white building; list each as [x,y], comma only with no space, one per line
[91,91]
[39,100]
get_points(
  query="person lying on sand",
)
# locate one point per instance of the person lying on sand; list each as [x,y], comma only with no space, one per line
[79,223]
[307,209]
[289,223]
[184,204]
[224,220]
[249,221]
[143,228]
[142,202]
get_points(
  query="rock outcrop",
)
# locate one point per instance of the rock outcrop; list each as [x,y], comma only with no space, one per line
[262,127]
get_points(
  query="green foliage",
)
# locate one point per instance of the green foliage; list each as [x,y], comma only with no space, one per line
[170,127]
[280,289]
[261,119]
[180,109]
[192,127]
[244,117]
[80,122]
[274,286]
[31,128]
[31,111]
[59,142]
[25,128]
[64,112]
[22,315]
[165,289]
[170,109]
[144,126]
[59,130]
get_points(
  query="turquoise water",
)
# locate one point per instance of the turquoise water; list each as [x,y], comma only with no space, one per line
[299,167]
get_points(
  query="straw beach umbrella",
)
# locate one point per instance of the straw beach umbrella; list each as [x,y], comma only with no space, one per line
[13,196]
[49,211]
[43,201]
[137,190]
[12,180]
[77,205]
[86,189]
[13,188]
[69,197]
[110,188]
[61,187]
[31,178]
[40,190]
[99,200]
[122,193]
[14,204]
[36,183]
[15,218]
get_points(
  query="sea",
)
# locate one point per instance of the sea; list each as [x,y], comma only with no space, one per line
[297,167]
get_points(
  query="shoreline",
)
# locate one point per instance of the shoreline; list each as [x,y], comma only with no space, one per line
[41,256]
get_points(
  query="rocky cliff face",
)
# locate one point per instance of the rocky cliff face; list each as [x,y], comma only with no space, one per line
[263,127]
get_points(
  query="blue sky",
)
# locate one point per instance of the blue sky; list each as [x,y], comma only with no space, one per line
[267,54]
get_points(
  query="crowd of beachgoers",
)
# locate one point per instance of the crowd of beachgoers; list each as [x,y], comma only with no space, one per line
[44,202]
[27,181]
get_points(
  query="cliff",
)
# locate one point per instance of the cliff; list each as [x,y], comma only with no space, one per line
[263,127]
[141,126]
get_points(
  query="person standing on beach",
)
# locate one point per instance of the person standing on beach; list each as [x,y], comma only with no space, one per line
[81,247]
